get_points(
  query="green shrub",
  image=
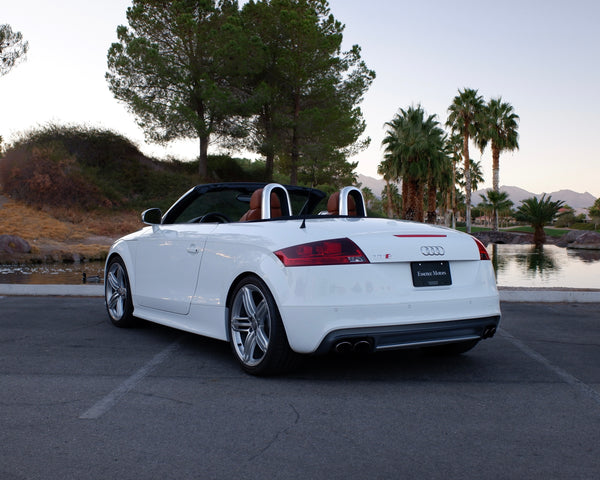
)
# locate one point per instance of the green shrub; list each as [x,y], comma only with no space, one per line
[583,226]
[48,176]
[79,166]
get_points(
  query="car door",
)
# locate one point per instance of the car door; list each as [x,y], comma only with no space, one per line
[167,263]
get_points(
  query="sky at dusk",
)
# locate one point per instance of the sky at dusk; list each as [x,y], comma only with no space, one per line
[543,57]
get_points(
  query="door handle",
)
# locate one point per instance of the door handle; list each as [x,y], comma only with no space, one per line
[193,249]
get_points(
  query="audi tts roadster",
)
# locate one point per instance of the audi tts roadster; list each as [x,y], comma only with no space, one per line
[279,271]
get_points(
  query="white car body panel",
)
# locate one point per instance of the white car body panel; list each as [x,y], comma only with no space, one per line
[189,290]
[168,260]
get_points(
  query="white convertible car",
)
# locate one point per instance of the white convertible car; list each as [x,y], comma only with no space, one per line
[280,271]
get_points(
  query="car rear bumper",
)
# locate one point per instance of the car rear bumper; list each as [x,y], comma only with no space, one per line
[409,336]
[310,327]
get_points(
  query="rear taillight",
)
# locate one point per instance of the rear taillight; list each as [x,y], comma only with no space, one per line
[483,254]
[339,251]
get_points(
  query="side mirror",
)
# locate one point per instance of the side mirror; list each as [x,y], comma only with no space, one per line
[152,216]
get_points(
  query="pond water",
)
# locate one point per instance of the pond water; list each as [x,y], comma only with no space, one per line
[515,265]
[549,266]
[52,273]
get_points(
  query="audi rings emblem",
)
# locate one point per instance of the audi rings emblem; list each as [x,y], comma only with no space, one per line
[430,251]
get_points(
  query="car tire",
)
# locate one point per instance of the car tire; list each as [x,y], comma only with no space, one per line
[451,349]
[117,294]
[256,333]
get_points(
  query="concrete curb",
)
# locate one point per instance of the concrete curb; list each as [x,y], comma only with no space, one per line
[531,295]
[549,295]
[52,290]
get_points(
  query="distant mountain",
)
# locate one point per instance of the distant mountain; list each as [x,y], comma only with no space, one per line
[574,199]
[375,184]
[517,195]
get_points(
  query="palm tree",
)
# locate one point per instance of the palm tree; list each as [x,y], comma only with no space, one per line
[454,145]
[538,213]
[496,202]
[440,177]
[500,125]
[464,118]
[385,169]
[392,198]
[476,178]
[412,144]
[476,175]
[391,168]
[368,195]
[437,163]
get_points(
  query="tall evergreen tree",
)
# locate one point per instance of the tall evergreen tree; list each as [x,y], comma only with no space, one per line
[308,90]
[171,66]
[12,48]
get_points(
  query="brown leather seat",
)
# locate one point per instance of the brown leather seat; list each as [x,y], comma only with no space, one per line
[255,212]
[333,205]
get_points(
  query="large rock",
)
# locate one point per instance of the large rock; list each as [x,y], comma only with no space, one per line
[12,244]
[501,237]
[581,239]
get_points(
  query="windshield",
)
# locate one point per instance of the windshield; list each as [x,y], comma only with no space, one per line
[232,201]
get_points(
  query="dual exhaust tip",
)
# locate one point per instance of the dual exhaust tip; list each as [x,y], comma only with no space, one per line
[365,345]
[360,345]
[489,331]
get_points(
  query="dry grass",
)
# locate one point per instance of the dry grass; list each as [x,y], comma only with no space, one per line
[32,225]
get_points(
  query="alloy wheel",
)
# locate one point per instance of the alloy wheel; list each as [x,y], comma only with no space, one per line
[250,325]
[116,291]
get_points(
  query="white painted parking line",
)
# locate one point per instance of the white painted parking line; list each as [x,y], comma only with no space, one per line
[105,404]
[563,374]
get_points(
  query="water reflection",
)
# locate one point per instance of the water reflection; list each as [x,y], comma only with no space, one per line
[538,262]
[52,274]
[499,262]
[546,266]
[589,256]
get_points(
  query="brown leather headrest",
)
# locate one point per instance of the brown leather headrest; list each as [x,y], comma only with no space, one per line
[333,205]
[256,200]
[256,206]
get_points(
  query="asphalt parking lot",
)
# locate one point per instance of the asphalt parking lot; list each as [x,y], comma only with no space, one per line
[82,399]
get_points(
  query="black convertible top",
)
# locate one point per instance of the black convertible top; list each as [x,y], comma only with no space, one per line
[237,197]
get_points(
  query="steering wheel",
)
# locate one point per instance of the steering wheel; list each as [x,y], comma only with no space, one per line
[211,217]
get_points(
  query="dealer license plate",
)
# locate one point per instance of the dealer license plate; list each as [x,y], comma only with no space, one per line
[430,274]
